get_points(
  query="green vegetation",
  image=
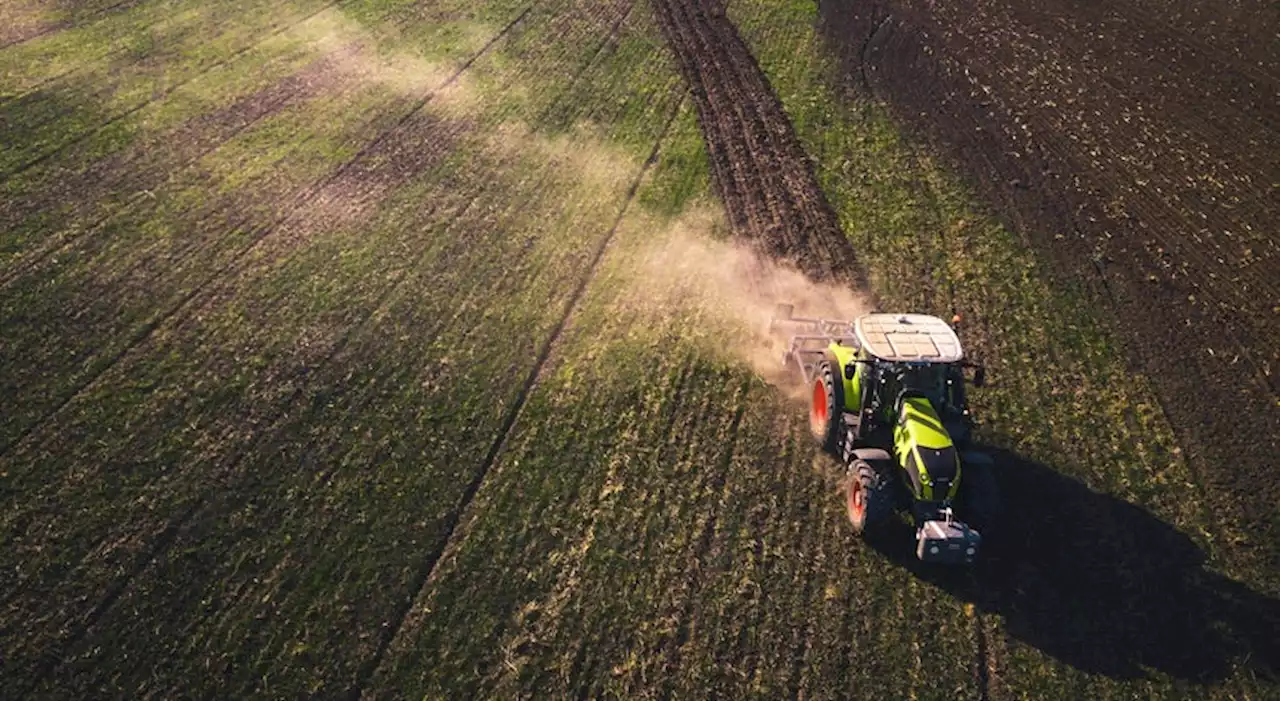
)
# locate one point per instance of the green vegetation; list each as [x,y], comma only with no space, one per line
[327,379]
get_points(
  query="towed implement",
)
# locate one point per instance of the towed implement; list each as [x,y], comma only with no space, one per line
[887,398]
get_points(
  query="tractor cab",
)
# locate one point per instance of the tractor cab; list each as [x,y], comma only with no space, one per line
[911,355]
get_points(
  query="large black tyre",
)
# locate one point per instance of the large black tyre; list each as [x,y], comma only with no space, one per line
[826,408]
[979,497]
[867,498]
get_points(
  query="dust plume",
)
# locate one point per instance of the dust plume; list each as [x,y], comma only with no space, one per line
[361,55]
[736,289]
[23,19]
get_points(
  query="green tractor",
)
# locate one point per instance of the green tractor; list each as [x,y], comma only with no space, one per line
[887,398]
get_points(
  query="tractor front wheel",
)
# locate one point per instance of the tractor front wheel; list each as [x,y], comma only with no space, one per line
[826,407]
[866,497]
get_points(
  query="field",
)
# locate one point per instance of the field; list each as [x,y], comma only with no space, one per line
[1136,156]
[408,348]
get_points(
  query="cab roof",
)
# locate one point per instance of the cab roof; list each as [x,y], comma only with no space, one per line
[908,338]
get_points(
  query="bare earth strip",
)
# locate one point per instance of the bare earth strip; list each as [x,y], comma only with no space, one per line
[761,172]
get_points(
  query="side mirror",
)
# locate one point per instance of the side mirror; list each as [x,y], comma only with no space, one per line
[849,370]
[979,376]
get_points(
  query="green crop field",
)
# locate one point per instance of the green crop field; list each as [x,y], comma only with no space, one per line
[402,349]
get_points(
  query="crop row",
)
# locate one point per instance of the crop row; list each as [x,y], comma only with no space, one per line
[347,362]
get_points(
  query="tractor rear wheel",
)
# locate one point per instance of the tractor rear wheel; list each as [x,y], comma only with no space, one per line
[826,408]
[866,497]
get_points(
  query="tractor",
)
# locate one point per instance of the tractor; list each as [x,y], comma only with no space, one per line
[887,398]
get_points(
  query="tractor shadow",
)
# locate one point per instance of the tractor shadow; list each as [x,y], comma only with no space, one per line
[1102,584]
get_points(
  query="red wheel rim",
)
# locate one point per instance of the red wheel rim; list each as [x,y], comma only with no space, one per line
[818,410]
[857,502]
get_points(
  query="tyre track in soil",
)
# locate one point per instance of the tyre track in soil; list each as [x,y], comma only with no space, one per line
[596,513]
[291,90]
[31,92]
[763,568]
[608,44]
[162,540]
[753,481]
[176,526]
[459,514]
[1162,261]
[224,481]
[715,489]
[812,544]
[443,86]
[462,243]
[307,196]
[274,421]
[689,489]
[778,600]
[758,166]
[166,92]
[771,196]
[551,625]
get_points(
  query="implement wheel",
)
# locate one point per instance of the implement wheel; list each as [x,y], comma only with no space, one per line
[826,407]
[866,498]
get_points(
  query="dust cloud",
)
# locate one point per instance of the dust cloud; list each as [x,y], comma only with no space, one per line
[360,55]
[736,288]
[724,291]
[598,171]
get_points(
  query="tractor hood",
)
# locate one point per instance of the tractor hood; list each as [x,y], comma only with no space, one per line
[925,451]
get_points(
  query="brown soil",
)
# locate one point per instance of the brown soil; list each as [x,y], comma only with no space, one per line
[759,168]
[1135,151]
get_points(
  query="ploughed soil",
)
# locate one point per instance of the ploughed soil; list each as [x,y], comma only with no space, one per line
[1134,147]
[759,168]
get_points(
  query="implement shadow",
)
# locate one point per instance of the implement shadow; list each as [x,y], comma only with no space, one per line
[1103,585]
